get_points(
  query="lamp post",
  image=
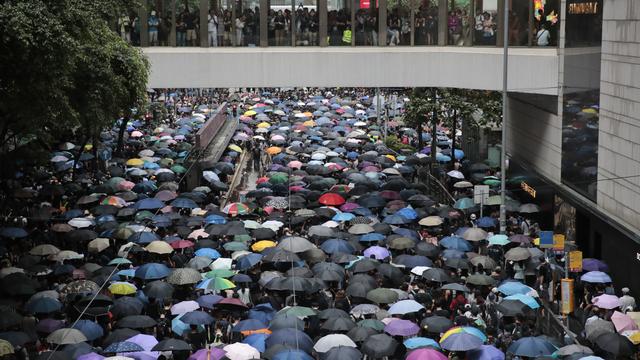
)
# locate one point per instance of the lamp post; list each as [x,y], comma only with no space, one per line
[503,151]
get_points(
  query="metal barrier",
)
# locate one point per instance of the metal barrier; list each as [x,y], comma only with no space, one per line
[211,127]
[549,324]
[437,191]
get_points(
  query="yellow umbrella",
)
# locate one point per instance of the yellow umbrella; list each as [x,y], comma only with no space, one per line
[6,348]
[309,123]
[536,241]
[249,113]
[135,162]
[264,125]
[274,150]
[307,114]
[589,111]
[263,244]
[159,247]
[391,157]
[122,288]
[88,147]
[235,148]
[634,337]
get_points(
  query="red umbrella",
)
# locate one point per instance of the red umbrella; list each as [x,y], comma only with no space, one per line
[331,199]
[182,244]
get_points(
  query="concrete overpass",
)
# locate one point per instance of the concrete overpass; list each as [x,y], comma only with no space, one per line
[531,70]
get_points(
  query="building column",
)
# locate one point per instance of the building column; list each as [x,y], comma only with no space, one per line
[204,23]
[172,29]
[354,4]
[442,23]
[293,23]
[264,23]
[382,22]
[143,14]
[500,36]
[322,22]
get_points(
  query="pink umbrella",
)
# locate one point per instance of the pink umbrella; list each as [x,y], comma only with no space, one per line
[125,185]
[426,354]
[606,301]
[295,164]
[623,322]
[348,207]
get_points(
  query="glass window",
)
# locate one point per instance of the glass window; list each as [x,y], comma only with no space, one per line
[225,30]
[215,25]
[584,23]
[366,27]
[187,23]
[247,23]
[339,22]
[519,22]
[485,22]
[279,18]
[124,26]
[546,22]
[459,22]
[426,23]
[306,23]
[398,23]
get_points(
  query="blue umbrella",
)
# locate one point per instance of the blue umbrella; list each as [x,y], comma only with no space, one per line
[486,222]
[143,237]
[420,342]
[292,337]
[456,243]
[292,354]
[513,287]
[525,299]
[337,245]
[197,318]
[209,301]
[148,204]
[395,219]
[152,271]
[145,187]
[344,216]
[13,232]
[442,158]
[214,219]
[184,203]
[262,312]
[248,261]
[531,347]
[597,277]
[408,213]
[408,233]
[461,342]
[372,237]
[123,346]
[464,203]
[485,352]
[179,327]
[249,325]
[452,254]
[258,341]
[208,252]
[43,305]
[90,329]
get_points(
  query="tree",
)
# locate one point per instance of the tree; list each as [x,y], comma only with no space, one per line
[64,71]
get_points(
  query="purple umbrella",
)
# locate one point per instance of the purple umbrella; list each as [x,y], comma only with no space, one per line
[485,352]
[596,277]
[215,354]
[401,328]
[590,264]
[48,326]
[606,301]
[90,356]
[147,342]
[378,252]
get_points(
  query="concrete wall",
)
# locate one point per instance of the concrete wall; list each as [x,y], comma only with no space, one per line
[619,135]
[531,70]
[534,136]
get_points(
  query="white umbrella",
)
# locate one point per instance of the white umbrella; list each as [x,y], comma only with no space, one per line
[210,176]
[98,245]
[455,174]
[66,255]
[159,247]
[418,270]
[44,250]
[81,222]
[328,342]
[221,264]
[66,336]
[241,351]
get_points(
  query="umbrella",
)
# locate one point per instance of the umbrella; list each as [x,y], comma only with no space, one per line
[184,276]
[66,336]
[379,345]
[123,347]
[420,342]
[461,341]
[343,353]
[401,328]
[136,322]
[405,307]
[212,353]
[573,349]
[597,277]
[329,342]
[339,324]
[197,318]
[623,322]
[517,254]
[597,327]
[426,354]
[615,344]
[531,347]
[606,301]
[240,351]
[90,329]
[43,305]
[436,324]
[485,352]
[291,337]
[382,296]
[172,345]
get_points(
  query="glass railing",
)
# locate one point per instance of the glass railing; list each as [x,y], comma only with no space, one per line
[271,23]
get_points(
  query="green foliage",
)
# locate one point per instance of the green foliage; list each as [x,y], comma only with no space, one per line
[64,70]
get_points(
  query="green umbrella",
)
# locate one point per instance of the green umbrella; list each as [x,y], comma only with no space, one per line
[143,215]
[220,273]
[372,324]
[402,243]
[278,178]
[235,246]
[382,296]
[491,182]
[178,169]
[242,238]
[480,279]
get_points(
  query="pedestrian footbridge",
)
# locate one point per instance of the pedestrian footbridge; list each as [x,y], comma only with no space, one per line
[531,70]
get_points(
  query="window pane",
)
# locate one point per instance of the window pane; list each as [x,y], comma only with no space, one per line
[584,23]
[159,22]
[546,20]
[224,8]
[459,22]
[187,23]
[215,25]
[306,23]
[518,22]
[339,22]
[427,23]
[367,23]
[398,23]
[247,23]
[486,22]
[279,25]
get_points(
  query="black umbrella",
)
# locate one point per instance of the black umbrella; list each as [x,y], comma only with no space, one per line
[284,321]
[436,324]
[436,275]
[339,324]
[342,353]
[360,333]
[16,338]
[332,313]
[126,306]
[427,249]
[512,307]
[379,345]
[391,272]
[119,335]
[172,345]
[9,318]
[263,234]
[615,344]
[364,265]
[136,322]
[358,289]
